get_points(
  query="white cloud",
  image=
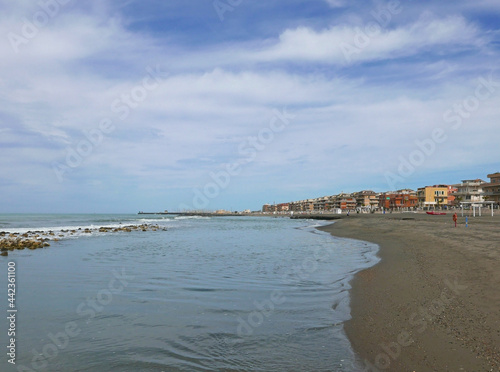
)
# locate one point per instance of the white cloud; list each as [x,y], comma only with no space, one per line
[336,3]
[341,44]
[64,81]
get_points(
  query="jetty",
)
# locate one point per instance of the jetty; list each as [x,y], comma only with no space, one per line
[316,217]
[198,214]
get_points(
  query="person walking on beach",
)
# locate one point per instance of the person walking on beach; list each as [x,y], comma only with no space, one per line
[455,218]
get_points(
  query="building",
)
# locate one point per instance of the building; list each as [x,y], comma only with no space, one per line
[366,199]
[267,208]
[452,190]
[470,191]
[322,204]
[279,208]
[401,199]
[343,201]
[283,207]
[492,189]
[433,196]
[348,203]
[302,206]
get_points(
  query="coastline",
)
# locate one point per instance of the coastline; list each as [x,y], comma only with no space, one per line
[432,302]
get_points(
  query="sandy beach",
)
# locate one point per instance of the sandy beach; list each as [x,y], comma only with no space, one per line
[433,302]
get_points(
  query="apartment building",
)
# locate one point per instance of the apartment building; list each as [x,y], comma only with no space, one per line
[433,196]
[492,189]
[366,199]
[470,191]
[322,204]
[302,205]
[400,199]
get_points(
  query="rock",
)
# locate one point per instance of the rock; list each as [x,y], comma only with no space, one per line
[4,254]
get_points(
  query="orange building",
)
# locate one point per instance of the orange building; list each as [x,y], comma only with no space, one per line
[401,199]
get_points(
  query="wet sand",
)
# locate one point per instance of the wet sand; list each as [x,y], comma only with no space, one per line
[433,302]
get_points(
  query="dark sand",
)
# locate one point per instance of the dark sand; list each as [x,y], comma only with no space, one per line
[433,302]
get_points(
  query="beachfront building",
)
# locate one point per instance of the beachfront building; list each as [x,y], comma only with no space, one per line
[308,205]
[433,196]
[470,192]
[269,208]
[452,191]
[399,200]
[348,203]
[366,199]
[384,200]
[492,189]
[283,207]
[276,208]
[302,206]
[407,199]
[295,206]
[322,204]
[344,202]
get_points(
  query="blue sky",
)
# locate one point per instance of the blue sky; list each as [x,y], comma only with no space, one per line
[120,106]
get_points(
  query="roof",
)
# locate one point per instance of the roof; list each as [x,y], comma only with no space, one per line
[476,180]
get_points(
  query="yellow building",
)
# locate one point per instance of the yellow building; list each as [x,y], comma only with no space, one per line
[433,196]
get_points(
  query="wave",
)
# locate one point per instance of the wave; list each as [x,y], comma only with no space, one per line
[76,231]
[155,219]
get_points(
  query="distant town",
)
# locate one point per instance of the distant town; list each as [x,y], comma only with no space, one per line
[468,194]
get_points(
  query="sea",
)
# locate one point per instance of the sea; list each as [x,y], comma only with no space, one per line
[197,294]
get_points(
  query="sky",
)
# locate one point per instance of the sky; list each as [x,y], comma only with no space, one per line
[125,106]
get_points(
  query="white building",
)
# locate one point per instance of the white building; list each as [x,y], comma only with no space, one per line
[470,191]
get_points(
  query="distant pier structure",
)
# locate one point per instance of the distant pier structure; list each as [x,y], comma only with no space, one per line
[200,214]
[164,212]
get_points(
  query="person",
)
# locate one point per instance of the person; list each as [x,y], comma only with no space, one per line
[455,218]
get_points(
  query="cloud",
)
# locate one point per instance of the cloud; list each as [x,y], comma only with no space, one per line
[353,120]
[339,45]
[336,3]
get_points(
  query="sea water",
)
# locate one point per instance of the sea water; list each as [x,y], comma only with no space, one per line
[200,294]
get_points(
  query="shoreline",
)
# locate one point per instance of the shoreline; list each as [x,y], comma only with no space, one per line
[432,302]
